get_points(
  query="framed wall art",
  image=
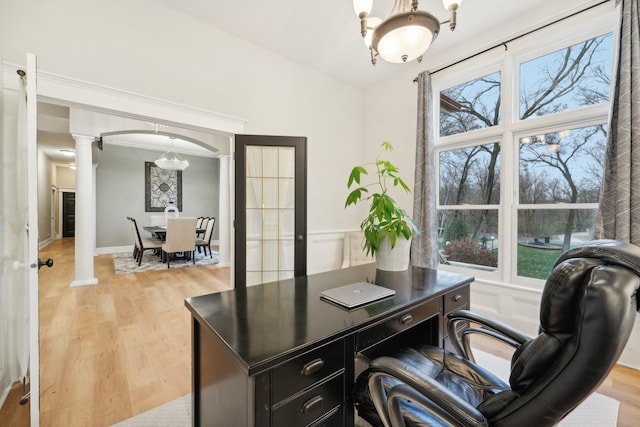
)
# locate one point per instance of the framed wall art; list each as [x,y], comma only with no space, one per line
[161,187]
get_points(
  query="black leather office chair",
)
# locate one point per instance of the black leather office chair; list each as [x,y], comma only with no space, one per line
[588,308]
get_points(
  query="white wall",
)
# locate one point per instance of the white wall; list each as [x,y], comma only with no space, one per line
[44,198]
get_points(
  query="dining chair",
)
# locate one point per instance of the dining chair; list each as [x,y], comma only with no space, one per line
[205,241]
[202,226]
[141,244]
[181,237]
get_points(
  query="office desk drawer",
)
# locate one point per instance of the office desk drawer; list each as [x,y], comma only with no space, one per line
[306,369]
[396,324]
[311,405]
[457,299]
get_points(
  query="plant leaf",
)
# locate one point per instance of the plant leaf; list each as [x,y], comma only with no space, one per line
[355,175]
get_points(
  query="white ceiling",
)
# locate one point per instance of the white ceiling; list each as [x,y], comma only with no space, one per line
[325,34]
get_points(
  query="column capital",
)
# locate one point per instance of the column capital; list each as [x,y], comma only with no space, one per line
[87,139]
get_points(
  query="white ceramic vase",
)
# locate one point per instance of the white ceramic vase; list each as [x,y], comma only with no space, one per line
[396,259]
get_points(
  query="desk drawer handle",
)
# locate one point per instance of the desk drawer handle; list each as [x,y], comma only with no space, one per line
[406,319]
[312,367]
[311,404]
[457,298]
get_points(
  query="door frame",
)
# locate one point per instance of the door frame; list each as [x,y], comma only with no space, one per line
[54,212]
[300,228]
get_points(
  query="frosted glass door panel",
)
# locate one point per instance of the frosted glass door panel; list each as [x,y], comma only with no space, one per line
[254,193]
[270,218]
[286,195]
[287,219]
[287,163]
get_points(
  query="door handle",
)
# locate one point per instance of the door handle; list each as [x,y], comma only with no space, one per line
[299,237]
[48,263]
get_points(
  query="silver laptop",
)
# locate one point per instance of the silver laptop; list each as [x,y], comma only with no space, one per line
[356,294]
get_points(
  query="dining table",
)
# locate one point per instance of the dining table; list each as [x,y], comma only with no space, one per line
[160,231]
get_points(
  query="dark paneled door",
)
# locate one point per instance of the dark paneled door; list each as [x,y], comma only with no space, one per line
[68,214]
[270,208]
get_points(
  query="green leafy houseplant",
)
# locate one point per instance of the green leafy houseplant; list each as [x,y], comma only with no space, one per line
[385,218]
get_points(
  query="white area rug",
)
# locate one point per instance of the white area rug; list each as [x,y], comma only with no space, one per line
[596,411]
[124,263]
[176,413]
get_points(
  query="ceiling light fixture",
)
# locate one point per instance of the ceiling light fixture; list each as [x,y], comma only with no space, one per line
[68,153]
[406,34]
[171,161]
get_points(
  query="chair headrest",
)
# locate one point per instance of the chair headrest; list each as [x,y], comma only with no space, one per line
[608,252]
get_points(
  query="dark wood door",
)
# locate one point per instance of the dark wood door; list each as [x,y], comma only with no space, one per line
[270,208]
[68,214]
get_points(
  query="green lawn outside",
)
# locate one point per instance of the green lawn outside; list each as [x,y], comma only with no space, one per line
[536,263]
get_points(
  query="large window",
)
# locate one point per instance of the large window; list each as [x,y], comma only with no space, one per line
[516,190]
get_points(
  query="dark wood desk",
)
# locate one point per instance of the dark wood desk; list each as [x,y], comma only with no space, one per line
[278,355]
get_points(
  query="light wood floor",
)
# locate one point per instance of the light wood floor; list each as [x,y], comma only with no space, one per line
[114,350]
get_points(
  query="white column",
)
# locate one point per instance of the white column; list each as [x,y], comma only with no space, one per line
[85,214]
[224,229]
[94,167]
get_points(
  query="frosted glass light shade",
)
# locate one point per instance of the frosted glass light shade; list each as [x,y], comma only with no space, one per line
[361,6]
[405,36]
[448,3]
[171,161]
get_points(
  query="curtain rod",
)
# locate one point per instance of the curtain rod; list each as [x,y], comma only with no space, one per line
[519,36]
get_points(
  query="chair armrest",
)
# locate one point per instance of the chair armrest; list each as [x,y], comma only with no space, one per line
[447,402]
[489,327]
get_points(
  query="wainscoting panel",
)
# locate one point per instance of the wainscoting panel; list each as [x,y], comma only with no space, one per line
[324,251]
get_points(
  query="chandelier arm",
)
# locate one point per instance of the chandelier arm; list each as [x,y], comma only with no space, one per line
[453,9]
[363,24]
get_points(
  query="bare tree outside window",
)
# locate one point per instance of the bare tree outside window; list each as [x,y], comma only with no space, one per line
[573,77]
[563,166]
